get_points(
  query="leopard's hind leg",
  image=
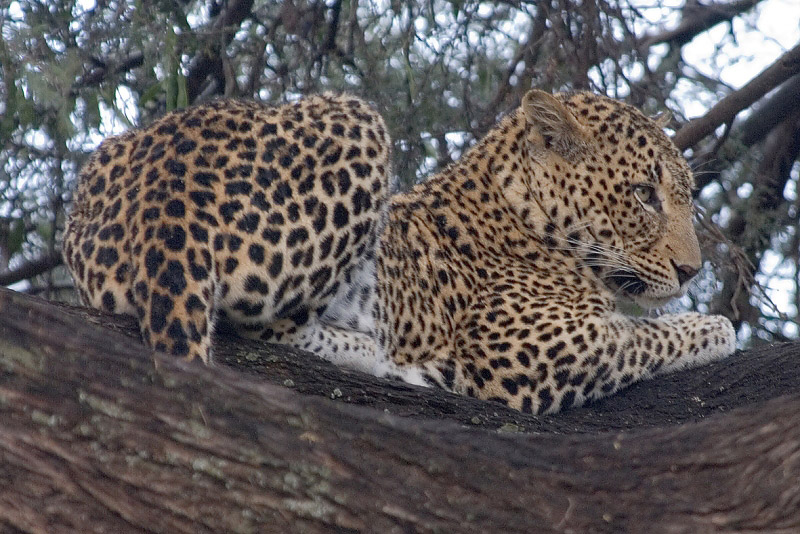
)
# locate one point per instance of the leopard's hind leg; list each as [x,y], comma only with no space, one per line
[174,282]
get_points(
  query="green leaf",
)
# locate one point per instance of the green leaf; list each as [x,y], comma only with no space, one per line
[183,96]
[412,85]
[92,116]
[45,230]
[64,126]
[172,91]
[170,81]
[16,237]
[150,94]
[7,123]
[26,110]
[430,150]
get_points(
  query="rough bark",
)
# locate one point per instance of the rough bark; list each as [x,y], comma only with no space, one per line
[102,435]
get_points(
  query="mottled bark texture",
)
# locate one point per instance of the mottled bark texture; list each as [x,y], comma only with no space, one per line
[98,434]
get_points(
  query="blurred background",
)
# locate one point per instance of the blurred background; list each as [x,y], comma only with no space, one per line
[441,72]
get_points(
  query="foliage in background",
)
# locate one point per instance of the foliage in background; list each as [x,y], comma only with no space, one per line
[441,72]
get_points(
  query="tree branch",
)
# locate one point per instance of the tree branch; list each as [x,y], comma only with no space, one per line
[208,62]
[764,117]
[774,110]
[101,70]
[329,44]
[726,109]
[757,218]
[696,19]
[30,269]
[538,28]
[100,435]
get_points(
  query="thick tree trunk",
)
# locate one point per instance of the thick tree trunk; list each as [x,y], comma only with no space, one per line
[98,434]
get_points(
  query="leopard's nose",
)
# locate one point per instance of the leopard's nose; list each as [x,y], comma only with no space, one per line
[685,272]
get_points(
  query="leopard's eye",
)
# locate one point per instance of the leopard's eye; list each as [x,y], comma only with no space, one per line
[646,194]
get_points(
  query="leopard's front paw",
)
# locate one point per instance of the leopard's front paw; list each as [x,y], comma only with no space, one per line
[721,338]
[704,339]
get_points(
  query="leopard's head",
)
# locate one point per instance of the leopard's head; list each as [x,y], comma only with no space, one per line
[618,191]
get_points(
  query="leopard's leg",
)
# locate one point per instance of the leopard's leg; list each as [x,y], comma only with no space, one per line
[552,356]
[340,328]
[638,348]
[96,257]
[174,287]
[305,330]
[354,350]
[705,338]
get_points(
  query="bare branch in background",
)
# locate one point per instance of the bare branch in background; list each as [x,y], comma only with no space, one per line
[726,109]
[697,18]
[529,47]
[208,63]
[31,268]
[102,68]
[765,117]
[772,111]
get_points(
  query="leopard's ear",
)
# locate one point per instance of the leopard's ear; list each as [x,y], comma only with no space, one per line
[553,125]
[662,119]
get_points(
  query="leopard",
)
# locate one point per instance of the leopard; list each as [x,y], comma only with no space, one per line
[235,215]
[498,278]
[503,276]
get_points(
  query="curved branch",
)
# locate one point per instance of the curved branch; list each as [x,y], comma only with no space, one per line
[763,119]
[726,109]
[30,269]
[100,435]
[770,113]
[698,18]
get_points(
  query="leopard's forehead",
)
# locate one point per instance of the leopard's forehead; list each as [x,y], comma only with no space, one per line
[623,129]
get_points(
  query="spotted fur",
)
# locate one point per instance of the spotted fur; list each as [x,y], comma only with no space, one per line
[233,212]
[497,278]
